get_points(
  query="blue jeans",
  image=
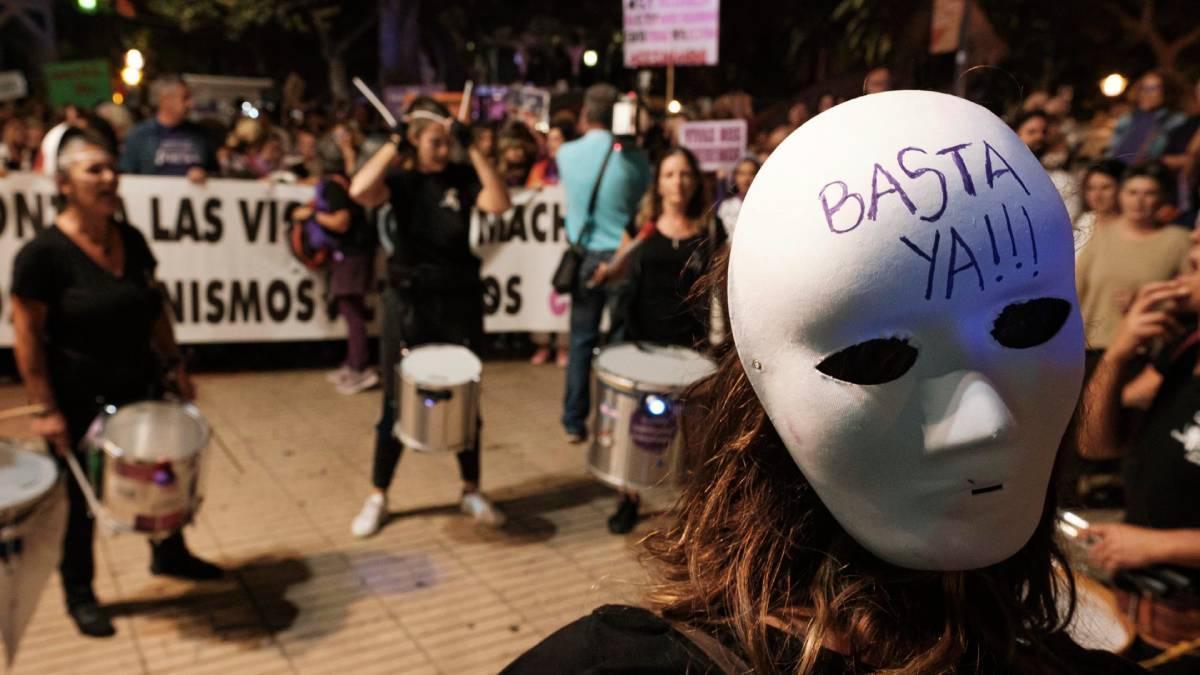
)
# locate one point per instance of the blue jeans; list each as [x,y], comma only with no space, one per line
[587,307]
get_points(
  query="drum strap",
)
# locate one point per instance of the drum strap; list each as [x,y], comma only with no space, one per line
[724,658]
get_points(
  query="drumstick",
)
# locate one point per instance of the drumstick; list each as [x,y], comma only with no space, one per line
[22,411]
[374,101]
[464,107]
[89,495]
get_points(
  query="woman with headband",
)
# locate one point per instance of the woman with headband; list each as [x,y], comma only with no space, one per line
[434,293]
[92,328]
[875,448]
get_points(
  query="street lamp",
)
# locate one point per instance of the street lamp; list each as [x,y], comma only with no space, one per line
[591,58]
[134,59]
[674,107]
[131,76]
[1113,85]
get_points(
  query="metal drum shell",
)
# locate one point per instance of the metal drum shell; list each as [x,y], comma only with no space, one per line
[437,416]
[613,456]
[156,494]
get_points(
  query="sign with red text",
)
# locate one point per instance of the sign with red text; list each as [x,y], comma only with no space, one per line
[665,32]
[717,144]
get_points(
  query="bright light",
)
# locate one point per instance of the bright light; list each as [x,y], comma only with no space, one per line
[131,76]
[118,97]
[134,59]
[656,405]
[591,58]
[249,110]
[674,107]
[1114,85]
[88,5]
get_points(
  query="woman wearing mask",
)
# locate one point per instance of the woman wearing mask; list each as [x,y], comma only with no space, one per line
[433,292]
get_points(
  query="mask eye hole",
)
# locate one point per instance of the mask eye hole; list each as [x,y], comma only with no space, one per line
[1028,324]
[871,362]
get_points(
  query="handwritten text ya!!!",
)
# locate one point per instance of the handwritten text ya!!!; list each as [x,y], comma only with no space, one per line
[1007,235]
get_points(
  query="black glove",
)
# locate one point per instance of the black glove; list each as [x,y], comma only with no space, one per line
[461,133]
[399,133]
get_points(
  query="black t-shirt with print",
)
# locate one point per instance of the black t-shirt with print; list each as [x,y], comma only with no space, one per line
[98,325]
[1162,473]
[433,221]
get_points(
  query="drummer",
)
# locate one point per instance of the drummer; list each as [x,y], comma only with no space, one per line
[92,329]
[675,245]
[434,293]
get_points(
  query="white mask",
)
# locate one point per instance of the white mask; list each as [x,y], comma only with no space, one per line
[918,216]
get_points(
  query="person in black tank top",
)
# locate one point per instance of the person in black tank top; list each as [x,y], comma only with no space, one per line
[92,329]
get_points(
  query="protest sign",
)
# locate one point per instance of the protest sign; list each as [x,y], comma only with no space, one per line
[230,276]
[717,144]
[671,32]
[520,250]
[82,83]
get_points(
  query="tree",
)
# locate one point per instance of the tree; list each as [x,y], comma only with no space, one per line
[336,27]
[1149,25]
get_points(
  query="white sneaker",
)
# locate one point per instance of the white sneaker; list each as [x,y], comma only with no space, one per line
[478,507]
[370,519]
[356,382]
[336,376]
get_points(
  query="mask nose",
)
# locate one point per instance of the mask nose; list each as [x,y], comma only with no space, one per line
[962,409]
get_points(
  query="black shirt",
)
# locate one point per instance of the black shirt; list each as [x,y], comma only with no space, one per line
[622,639]
[662,272]
[359,239]
[1162,473]
[98,325]
[433,221]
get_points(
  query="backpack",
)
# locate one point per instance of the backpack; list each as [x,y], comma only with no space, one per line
[310,243]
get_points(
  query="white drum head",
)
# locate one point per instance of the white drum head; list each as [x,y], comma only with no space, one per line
[441,365]
[25,474]
[654,365]
[155,430]
[1097,623]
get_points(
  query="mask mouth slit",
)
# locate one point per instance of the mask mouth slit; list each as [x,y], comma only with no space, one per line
[989,488]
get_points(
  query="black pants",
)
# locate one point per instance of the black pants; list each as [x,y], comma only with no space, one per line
[78,565]
[406,324]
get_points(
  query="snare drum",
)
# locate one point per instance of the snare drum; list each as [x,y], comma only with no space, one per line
[1098,622]
[637,413]
[146,464]
[33,512]
[437,394]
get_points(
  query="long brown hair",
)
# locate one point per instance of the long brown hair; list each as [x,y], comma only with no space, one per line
[652,204]
[749,544]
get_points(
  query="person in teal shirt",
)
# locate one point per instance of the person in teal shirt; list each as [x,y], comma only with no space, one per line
[619,188]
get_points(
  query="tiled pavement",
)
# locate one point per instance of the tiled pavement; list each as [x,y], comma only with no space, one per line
[431,593]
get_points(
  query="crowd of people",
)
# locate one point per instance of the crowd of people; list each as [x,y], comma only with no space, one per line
[651,226]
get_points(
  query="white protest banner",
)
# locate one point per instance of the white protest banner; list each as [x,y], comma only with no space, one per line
[664,32]
[230,276]
[718,144]
[13,85]
[221,252]
[520,250]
